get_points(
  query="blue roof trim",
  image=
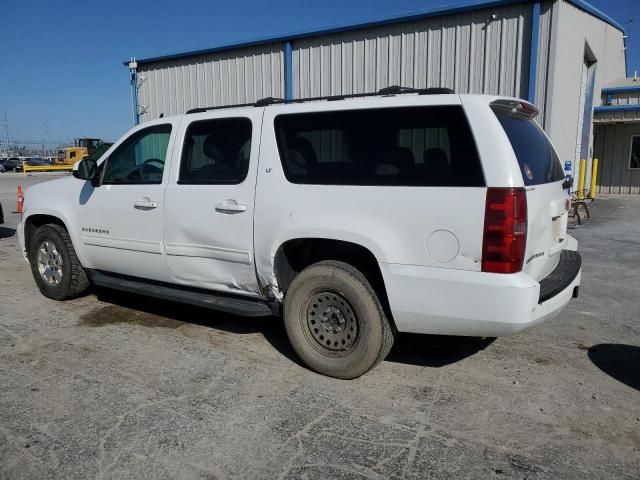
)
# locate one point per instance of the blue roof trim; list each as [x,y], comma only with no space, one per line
[617,108]
[630,88]
[441,10]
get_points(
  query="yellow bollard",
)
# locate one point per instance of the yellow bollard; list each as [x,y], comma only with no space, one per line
[581,178]
[594,177]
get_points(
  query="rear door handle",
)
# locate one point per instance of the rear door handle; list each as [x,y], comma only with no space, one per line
[230,206]
[145,204]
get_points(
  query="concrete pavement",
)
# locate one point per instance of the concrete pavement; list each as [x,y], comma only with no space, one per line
[115,386]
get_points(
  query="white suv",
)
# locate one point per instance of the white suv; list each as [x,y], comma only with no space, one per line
[353,218]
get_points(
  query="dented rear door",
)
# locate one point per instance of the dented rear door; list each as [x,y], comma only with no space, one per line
[209,204]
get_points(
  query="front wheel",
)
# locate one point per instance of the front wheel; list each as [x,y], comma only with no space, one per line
[55,265]
[335,321]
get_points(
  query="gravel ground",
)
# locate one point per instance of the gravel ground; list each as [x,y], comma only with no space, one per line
[115,386]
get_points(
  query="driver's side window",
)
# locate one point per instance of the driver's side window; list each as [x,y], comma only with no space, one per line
[140,158]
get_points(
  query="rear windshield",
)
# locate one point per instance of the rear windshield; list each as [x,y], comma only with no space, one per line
[538,161]
[414,146]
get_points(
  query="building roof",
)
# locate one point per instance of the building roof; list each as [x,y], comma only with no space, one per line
[449,8]
[623,85]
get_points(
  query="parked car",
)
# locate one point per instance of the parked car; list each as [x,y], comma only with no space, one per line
[353,219]
[11,163]
[2,169]
[32,162]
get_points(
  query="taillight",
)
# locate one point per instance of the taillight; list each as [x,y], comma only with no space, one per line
[505,230]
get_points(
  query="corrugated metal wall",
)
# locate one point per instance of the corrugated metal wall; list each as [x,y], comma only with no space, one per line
[613,148]
[231,77]
[544,56]
[469,52]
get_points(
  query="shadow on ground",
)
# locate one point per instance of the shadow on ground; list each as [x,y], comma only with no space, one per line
[621,362]
[412,349]
[7,232]
[435,350]
[153,313]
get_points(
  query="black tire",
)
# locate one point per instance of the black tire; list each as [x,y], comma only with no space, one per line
[74,281]
[350,303]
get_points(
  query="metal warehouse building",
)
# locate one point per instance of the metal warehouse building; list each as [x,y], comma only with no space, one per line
[617,137]
[556,53]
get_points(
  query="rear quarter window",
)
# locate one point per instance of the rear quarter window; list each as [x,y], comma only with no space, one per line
[408,146]
[537,158]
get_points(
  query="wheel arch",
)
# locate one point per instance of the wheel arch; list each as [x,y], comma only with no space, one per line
[295,254]
[37,220]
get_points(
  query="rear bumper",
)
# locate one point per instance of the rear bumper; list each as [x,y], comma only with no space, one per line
[454,302]
[562,276]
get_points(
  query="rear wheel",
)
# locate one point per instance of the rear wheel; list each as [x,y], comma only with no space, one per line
[335,321]
[55,265]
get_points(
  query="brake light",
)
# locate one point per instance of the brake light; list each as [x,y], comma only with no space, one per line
[505,230]
[529,109]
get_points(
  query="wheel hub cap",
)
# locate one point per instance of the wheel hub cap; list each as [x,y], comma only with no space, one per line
[332,321]
[50,263]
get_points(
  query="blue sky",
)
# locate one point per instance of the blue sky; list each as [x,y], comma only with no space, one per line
[61,72]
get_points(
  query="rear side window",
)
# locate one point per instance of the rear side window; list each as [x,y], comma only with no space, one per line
[216,152]
[415,146]
[538,161]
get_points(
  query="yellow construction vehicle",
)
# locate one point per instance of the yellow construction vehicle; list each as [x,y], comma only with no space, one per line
[83,147]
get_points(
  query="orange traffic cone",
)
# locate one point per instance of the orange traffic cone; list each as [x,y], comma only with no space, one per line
[20,200]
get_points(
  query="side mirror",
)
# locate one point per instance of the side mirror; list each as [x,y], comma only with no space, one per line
[86,169]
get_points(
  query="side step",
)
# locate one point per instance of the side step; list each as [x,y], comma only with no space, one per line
[235,304]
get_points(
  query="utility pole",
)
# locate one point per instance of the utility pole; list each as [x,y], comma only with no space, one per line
[133,77]
[6,133]
[44,137]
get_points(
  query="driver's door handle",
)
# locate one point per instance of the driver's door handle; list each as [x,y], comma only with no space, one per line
[145,204]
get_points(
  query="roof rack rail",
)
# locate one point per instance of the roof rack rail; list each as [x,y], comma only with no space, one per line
[396,90]
[437,91]
[263,102]
[386,91]
[206,109]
